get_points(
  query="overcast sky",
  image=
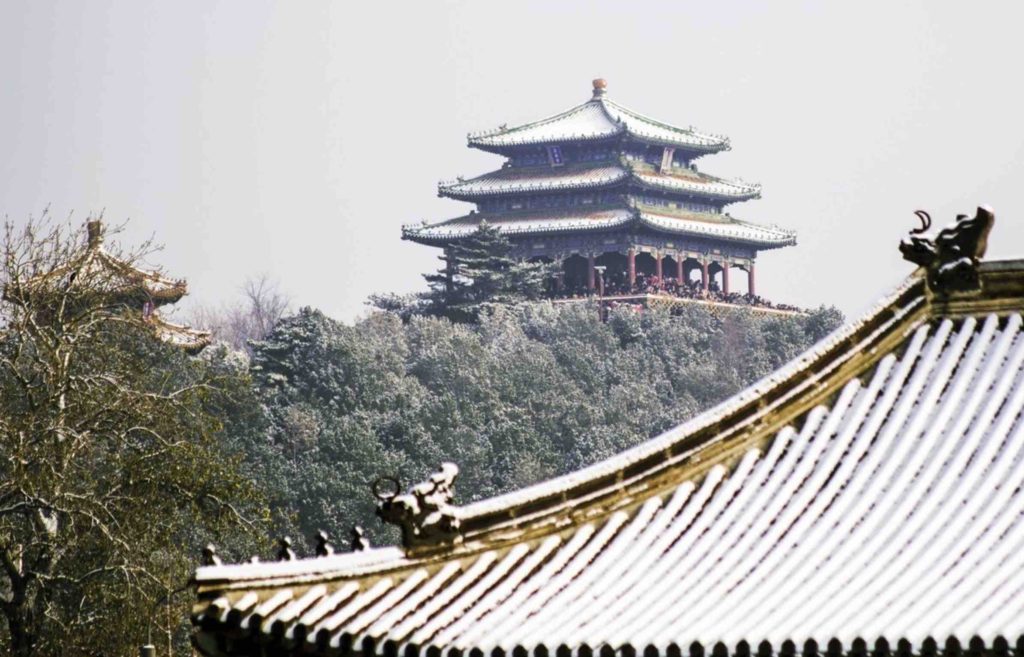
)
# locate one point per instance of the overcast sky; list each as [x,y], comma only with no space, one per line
[295,138]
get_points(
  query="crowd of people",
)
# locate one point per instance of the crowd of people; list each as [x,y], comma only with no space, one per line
[648,284]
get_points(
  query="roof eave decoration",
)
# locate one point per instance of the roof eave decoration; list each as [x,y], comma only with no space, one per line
[609,176]
[120,279]
[757,237]
[951,258]
[425,513]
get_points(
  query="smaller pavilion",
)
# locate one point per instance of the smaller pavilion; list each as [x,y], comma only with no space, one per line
[123,286]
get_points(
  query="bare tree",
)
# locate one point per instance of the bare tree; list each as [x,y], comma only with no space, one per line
[108,464]
[250,320]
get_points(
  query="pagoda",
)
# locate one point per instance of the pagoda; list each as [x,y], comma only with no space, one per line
[121,286]
[610,196]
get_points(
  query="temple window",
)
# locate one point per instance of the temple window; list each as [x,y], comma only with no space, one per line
[555,156]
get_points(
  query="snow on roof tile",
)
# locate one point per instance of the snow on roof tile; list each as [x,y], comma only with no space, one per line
[523,223]
[698,224]
[525,181]
[598,118]
[532,180]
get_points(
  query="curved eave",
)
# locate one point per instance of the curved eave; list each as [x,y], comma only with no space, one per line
[508,147]
[711,189]
[658,133]
[618,122]
[732,231]
[694,149]
[474,190]
[121,281]
[191,340]
[437,235]
[716,190]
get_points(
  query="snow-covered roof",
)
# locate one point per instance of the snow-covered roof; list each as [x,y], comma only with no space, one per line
[723,227]
[699,184]
[532,180]
[186,337]
[598,118]
[520,223]
[95,267]
[525,223]
[866,497]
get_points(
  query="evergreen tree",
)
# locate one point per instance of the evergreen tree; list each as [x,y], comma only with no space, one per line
[480,271]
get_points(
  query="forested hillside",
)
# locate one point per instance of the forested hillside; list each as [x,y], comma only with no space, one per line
[527,392]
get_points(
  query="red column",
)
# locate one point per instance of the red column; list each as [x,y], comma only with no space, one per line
[679,270]
[657,266]
[725,278]
[704,277]
[590,272]
[631,256]
[750,280]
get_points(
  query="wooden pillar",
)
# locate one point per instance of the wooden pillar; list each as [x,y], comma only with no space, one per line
[590,272]
[725,278]
[679,270]
[657,266]
[705,278]
[750,280]
[631,257]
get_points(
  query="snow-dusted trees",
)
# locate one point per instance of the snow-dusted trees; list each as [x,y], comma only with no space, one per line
[525,393]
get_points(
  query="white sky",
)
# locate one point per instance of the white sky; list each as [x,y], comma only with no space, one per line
[296,138]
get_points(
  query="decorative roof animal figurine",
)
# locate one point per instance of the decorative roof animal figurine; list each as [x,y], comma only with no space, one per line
[424,514]
[951,257]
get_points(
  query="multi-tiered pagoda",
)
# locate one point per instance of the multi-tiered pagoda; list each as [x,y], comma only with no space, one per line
[610,195]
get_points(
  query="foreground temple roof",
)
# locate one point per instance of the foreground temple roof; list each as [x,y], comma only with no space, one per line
[865,498]
[598,118]
[551,222]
